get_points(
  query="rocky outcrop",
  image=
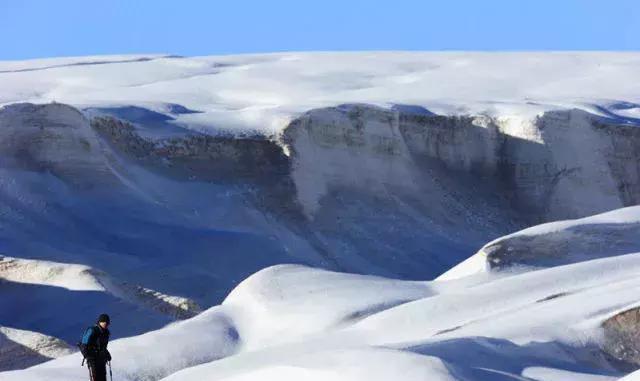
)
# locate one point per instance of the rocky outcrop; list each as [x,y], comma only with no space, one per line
[557,243]
[80,277]
[339,176]
[198,156]
[571,245]
[52,138]
[560,164]
[448,174]
[357,188]
[622,336]
[254,165]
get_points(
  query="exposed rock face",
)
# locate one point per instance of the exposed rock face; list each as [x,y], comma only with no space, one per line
[358,181]
[444,174]
[577,167]
[623,158]
[562,164]
[78,277]
[574,244]
[359,169]
[197,156]
[254,165]
[622,336]
[52,138]
[356,188]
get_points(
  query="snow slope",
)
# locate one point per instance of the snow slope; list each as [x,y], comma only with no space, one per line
[263,91]
[285,322]
[556,243]
[152,186]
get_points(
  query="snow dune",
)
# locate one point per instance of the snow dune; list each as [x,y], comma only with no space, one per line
[155,186]
[541,323]
[555,243]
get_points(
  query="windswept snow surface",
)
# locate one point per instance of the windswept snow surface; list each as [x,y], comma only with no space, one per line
[262,92]
[152,187]
[292,322]
[635,376]
[289,322]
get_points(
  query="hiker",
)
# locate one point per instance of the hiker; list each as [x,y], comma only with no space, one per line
[94,348]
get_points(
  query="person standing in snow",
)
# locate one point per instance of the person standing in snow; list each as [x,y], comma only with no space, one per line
[94,348]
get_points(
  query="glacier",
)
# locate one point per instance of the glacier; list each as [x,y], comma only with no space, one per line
[296,214]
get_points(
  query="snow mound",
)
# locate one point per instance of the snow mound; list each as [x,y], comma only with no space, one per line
[75,277]
[69,276]
[557,243]
[282,295]
[377,364]
[19,348]
[296,321]
[153,355]
[161,183]
[18,276]
[635,376]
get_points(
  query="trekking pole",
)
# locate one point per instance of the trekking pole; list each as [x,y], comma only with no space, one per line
[110,374]
[91,378]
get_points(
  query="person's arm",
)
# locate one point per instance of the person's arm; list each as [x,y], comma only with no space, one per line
[106,345]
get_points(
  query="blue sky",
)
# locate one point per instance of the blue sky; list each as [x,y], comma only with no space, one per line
[47,28]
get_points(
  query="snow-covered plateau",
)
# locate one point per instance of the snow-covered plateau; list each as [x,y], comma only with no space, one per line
[323,216]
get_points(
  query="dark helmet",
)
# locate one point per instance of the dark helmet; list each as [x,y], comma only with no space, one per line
[104,318]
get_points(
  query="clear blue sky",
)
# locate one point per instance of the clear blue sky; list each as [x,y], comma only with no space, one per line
[46,28]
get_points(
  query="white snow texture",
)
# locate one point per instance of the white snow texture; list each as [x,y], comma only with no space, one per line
[323,216]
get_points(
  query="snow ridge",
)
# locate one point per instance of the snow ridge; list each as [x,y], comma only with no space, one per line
[225,209]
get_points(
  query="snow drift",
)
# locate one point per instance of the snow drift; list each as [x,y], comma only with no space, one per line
[152,187]
[541,323]
[556,243]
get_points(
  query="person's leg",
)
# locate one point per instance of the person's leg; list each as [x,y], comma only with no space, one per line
[101,371]
[92,370]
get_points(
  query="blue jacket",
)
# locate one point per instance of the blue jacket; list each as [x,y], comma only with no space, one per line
[94,343]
